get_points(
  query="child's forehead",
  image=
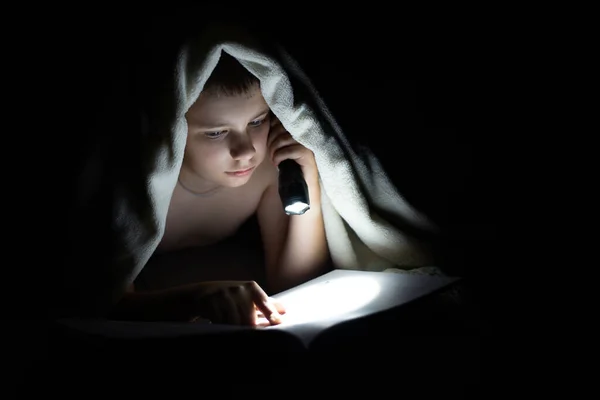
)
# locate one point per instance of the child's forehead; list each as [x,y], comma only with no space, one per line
[216,96]
[217,107]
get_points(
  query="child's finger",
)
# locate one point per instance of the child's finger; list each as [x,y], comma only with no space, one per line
[283,140]
[293,152]
[259,314]
[280,307]
[263,302]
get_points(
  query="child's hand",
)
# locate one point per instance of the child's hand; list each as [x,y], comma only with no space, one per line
[234,302]
[282,146]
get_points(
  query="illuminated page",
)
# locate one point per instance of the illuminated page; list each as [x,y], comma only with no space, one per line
[343,295]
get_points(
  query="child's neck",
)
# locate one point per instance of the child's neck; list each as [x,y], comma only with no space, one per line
[197,186]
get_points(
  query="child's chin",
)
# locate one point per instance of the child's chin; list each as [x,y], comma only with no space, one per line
[237,181]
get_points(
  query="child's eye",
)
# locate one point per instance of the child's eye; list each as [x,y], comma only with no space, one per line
[257,122]
[214,135]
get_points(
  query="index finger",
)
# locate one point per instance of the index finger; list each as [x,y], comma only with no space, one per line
[263,303]
[278,305]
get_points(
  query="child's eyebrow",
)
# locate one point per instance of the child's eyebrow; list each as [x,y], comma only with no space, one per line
[219,125]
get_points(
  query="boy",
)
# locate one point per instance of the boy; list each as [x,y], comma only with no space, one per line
[229,174]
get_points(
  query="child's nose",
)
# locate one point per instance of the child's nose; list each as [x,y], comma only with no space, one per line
[242,148]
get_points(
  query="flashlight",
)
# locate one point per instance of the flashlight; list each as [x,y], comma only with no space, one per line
[292,188]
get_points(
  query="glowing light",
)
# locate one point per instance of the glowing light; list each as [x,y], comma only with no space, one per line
[298,207]
[327,300]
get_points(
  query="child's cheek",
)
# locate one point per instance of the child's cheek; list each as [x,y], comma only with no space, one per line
[262,138]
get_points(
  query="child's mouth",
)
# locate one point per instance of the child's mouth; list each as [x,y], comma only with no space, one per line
[241,173]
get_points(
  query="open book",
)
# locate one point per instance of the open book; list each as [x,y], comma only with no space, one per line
[344,295]
[311,309]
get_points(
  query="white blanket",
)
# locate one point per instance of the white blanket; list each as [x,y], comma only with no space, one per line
[361,206]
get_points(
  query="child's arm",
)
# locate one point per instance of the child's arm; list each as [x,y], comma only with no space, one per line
[295,246]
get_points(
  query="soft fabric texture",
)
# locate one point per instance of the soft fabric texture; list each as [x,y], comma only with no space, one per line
[366,218]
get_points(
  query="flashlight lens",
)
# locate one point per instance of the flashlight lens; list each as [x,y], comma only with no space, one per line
[297,208]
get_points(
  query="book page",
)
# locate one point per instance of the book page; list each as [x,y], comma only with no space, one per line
[343,295]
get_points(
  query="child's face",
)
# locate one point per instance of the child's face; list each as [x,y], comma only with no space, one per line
[226,135]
